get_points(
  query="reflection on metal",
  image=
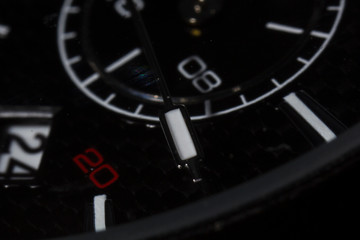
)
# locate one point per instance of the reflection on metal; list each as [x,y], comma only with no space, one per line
[4,31]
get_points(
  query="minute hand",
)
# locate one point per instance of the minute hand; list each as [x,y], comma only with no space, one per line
[150,54]
[175,121]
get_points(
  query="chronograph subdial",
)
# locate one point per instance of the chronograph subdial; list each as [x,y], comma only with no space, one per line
[212,69]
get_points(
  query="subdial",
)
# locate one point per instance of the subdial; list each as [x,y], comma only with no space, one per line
[219,56]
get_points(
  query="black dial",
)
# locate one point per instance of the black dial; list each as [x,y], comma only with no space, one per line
[218,56]
[274,85]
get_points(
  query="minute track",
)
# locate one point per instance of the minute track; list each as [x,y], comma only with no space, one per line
[254,90]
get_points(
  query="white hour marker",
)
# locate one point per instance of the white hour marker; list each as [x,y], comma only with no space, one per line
[72,10]
[334,8]
[90,80]
[69,35]
[180,134]
[310,117]
[25,114]
[123,60]
[4,31]
[139,108]
[319,34]
[284,28]
[303,61]
[99,213]
[74,60]
[110,98]
[243,99]
[275,82]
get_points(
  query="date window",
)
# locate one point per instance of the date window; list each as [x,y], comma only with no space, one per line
[23,137]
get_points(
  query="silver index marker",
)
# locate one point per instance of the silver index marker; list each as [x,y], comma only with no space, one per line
[284,28]
[99,213]
[123,60]
[311,118]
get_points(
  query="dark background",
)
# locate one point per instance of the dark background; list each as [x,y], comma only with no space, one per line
[328,206]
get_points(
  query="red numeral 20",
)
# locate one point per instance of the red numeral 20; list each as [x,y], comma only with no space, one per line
[95,166]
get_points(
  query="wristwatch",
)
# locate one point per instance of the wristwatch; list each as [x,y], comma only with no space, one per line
[139,119]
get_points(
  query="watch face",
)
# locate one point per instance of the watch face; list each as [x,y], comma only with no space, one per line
[145,119]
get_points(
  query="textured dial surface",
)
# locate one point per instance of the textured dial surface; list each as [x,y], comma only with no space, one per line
[71,164]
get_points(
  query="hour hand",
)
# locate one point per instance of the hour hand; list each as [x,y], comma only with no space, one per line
[174,120]
[182,139]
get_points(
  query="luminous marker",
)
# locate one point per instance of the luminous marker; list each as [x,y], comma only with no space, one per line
[303,61]
[275,82]
[4,31]
[73,9]
[180,134]
[139,108]
[99,213]
[90,80]
[123,60]
[208,108]
[333,8]
[243,99]
[319,126]
[284,28]
[69,35]
[110,98]
[24,114]
[21,178]
[74,60]
[319,34]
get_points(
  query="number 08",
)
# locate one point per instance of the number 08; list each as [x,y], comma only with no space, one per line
[203,80]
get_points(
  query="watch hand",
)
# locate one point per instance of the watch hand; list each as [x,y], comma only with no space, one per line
[150,54]
[174,119]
